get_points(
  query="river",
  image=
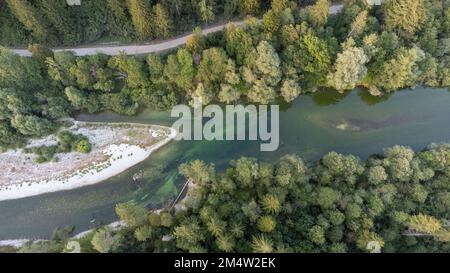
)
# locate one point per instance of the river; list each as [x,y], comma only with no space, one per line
[352,123]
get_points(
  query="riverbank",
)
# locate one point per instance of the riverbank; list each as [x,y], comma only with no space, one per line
[115,148]
[179,205]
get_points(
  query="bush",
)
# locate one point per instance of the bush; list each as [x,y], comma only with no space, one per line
[68,142]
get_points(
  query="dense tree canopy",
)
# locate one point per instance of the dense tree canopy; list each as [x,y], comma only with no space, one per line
[397,201]
[284,55]
[58,23]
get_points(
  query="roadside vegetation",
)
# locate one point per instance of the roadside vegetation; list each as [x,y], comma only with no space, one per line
[57,23]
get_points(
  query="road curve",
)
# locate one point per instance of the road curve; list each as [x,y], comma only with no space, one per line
[145,48]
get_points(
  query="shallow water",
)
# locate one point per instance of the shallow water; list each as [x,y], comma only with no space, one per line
[352,123]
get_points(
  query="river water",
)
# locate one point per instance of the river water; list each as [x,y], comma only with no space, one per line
[352,123]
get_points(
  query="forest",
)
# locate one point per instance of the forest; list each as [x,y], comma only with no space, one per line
[54,23]
[397,200]
[292,50]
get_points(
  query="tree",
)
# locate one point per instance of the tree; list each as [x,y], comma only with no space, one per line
[261,93]
[281,5]
[81,100]
[104,241]
[94,18]
[200,172]
[359,24]
[377,175]
[212,68]
[188,235]
[205,11]
[340,168]
[270,204]
[266,223]
[155,68]
[239,43]
[268,64]
[406,17]
[180,69]
[163,23]
[290,90]
[424,223]
[398,162]
[40,53]
[250,6]
[262,244]
[317,235]
[8,136]
[228,94]
[327,197]
[30,125]
[120,103]
[121,21]
[31,19]
[317,14]
[289,35]
[349,69]
[60,17]
[195,43]
[247,171]
[143,233]
[398,72]
[367,239]
[19,72]
[131,69]
[311,56]
[141,16]
[271,22]
[83,146]
[225,243]
[59,65]
[132,214]
[289,170]
[216,227]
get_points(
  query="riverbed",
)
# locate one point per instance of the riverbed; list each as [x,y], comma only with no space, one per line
[352,123]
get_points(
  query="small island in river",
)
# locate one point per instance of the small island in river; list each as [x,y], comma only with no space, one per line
[115,148]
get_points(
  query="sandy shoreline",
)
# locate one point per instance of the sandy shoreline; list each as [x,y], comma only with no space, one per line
[121,158]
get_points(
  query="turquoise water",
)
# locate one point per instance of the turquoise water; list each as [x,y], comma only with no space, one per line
[309,126]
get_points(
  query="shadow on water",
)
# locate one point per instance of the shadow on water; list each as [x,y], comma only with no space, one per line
[372,100]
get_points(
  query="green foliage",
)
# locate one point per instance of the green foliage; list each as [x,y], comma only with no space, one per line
[404,16]
[266,223]
[283,56]
[316,235]
[104,241]
[317,14]
[245,208]
[424,223]
[198,171]
[67,142]
[141,16]
[132,214]
[350,69]
[32,20]
[258,214]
